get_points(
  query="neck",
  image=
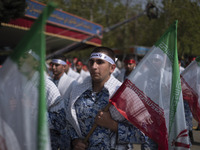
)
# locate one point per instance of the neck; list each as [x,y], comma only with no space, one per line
[79,71]
[57,77]
[98,86]
[127,73]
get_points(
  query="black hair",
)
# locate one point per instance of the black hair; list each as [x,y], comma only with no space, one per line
[129,57]
[60,57]
[105,50]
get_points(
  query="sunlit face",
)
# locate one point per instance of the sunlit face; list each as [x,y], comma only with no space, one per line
[58,69]
[100,70]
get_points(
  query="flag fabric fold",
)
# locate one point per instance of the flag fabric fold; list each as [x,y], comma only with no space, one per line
[190,82]
[151,98]
[23,122]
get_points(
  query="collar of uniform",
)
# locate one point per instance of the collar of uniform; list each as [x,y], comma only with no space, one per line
[109,85]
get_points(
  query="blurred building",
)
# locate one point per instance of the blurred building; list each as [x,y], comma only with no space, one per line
[62,29]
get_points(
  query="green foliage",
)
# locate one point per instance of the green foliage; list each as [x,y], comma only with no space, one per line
[11,9]
[142,31]
[187,12]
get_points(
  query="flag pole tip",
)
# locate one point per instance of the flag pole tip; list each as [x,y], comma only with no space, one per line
[53,4]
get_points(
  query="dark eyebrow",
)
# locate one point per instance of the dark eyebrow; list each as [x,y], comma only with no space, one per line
[98,61]
[55,64]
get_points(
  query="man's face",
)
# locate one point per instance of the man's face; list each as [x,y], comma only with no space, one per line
[100,69]
[129,66]
[78,67]
[58,69]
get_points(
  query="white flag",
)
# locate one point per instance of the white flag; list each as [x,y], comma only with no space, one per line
[151,97]
[190,81]
[23,122]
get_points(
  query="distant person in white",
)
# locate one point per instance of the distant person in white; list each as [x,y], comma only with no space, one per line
[61,79]
[79,69]
[181,69]
[129,65]
[70,72]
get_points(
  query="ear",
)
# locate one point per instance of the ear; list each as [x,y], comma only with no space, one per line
[112,68]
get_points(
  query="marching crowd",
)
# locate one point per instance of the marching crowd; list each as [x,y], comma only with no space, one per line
[83,98]
[79,113]
[79,102]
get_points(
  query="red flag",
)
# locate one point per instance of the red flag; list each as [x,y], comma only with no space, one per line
[151,99]
[190,82]
[135,106]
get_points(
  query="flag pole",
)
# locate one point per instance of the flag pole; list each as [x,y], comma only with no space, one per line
[95,125]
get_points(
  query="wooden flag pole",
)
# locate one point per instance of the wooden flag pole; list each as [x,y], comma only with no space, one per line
[95,125]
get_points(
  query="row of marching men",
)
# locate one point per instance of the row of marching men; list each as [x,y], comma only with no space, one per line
[61,72]
[60,85]
[65,73]
[65,78]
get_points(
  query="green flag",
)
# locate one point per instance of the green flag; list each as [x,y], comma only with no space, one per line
[151,98]
[22,91]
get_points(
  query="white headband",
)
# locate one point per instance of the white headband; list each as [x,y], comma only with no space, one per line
[58,61]
[102,56]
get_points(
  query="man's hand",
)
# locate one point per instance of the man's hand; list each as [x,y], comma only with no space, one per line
[78,144]
[104,119]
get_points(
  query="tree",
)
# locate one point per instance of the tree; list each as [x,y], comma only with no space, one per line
[143,31]
[11,9]
[187,13]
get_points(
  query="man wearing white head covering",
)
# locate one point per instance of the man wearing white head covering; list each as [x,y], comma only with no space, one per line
[85,105]
[87,101]
[61,79]
[65,85]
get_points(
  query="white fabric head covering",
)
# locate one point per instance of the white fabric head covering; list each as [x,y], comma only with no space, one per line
[58,61]
[102,56]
